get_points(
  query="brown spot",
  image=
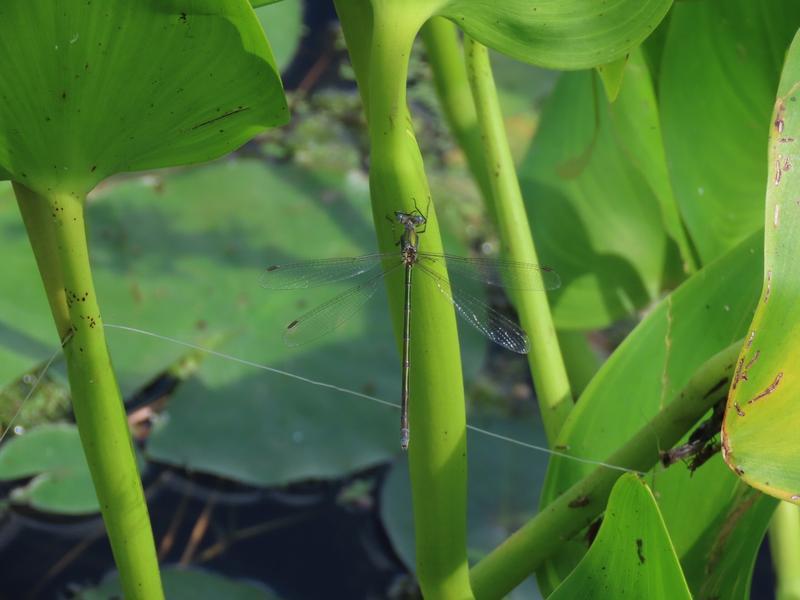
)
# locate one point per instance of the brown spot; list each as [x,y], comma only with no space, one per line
[769,286]
[739,470]
[779,108]
[750,339]
[272,268]
[770,388]
[292,324]
[591,531]
[738,375]
[639,550]
[223,116]
[580,502]
[738,409]
[732,520]
[786,140]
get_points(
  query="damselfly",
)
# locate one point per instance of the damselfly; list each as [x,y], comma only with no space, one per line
[372,268]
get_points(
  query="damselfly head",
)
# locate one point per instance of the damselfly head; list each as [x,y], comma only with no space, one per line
[409,219]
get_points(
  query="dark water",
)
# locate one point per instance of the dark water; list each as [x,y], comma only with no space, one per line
[302,542]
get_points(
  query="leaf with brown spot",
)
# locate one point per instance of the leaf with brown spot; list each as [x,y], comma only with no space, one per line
[760,427]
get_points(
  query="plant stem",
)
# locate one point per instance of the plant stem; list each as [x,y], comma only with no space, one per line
[437,452]
[57,233]
[515,559]
[784,543]
[545,360]
[452,87]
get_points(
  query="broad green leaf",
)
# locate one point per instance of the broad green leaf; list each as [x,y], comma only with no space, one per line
[594,217]
[632,556]
[126,85]
[283,23]
[719,74]
[760,437]
[568,34]
[504,485]
[53,457]
[707,313]
[636,120]
[186,584]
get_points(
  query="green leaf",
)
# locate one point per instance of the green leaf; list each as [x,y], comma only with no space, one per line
[760,437]
[186,584]
[260,3]
[147,84]
[654,362]
[632,555]
[504,485]
[594,217]
[719,74]
[283,23]
[612,74]
[636,120]
[570,34]
[720,564]
[52,455]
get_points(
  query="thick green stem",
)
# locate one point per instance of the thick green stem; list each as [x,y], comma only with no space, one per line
[514,560]
[437,452]
[784,543]
[57,233]
[452,87]
[545,360]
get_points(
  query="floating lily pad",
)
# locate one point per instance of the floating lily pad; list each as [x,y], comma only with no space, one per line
[187,584]
[53,457]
